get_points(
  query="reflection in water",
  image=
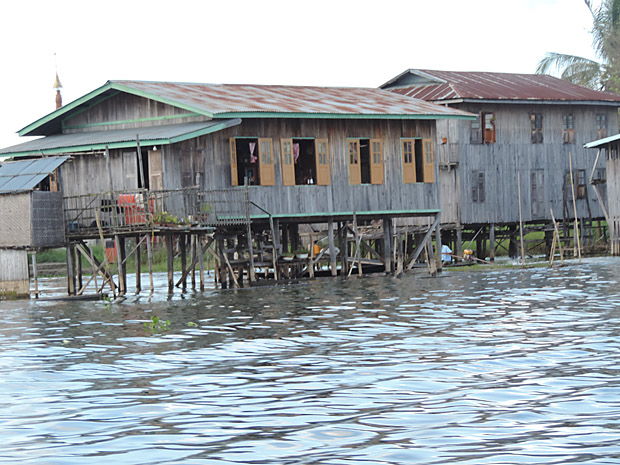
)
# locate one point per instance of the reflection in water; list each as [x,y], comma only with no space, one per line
[504,366]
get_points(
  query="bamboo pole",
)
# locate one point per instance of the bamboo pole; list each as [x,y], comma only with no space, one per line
[572,186]
[106,263]
[557,234]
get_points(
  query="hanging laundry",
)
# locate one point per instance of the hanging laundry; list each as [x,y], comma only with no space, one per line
[295,151]
[252,148]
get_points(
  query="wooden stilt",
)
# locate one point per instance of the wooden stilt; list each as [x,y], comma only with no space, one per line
[438,251]
[149,255]
[251,275]
[332,247]
[520,219]
[192,255]
[492,243]
[122,267]
[420,246]
[201,261]
[78,272]
[35,275]
[183,244]
[311,261]
[387,243]
[572,186]
[138,257]
[70,270]
[170,252]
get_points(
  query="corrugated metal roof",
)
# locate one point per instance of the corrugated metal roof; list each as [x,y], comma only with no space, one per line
[118,138]
[226,99]
[24,175]
[601,142]
[449,85]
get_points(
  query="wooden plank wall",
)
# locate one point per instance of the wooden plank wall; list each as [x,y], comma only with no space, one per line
[514,153]
[339,195]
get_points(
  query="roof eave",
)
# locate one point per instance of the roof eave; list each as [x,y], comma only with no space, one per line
[528,102]
[292,115]
[126,144]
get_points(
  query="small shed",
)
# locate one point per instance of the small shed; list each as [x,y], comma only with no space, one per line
[32,216]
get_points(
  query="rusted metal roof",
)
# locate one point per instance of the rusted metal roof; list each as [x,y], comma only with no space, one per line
[439,86]
[231,99]
[24,175]
[256,101]
[118,138]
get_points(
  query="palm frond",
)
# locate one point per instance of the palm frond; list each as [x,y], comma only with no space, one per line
[556,62]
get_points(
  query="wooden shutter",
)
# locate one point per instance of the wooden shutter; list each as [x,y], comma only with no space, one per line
[234,177]
[156,182]
[265,160]
[428,160]
[489,127]
[355,169]
[376,161]
[54,181]
[288,167]
[408,159]
[321,150]
[475,136]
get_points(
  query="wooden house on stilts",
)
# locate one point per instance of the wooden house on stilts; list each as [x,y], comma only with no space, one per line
[245,167]
[524,144]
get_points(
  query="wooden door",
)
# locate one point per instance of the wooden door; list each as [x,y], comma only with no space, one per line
[265,160]
[288,166]
[323,173]
[156,175]
[408,160]
[234,178]
[376,161]
[428,160]
[355,167]
[537,193]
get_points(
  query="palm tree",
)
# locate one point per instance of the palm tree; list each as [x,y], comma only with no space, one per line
[603,74]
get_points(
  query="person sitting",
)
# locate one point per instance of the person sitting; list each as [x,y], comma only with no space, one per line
[446,254]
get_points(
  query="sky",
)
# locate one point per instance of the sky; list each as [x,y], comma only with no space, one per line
[321,42]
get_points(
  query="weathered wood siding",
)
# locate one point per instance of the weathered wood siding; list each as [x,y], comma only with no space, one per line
[125,111]
[393,194]
[14,275]
[513,155]
[613,191]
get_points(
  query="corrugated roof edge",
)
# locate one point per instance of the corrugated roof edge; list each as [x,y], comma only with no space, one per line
[598,143]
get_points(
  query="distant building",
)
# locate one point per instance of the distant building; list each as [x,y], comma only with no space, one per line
[527,125]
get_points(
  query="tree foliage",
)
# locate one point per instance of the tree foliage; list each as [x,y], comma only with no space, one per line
[601,74]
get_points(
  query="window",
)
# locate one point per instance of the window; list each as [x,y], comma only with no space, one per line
[365,158]
[581,184]
[601,126]
[417,160]
[477,189]
[536,120]
[568,129]
[251,159]
[483,129]
[304,162]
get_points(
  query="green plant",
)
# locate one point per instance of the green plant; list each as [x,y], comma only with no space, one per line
[156,325]
[164,218]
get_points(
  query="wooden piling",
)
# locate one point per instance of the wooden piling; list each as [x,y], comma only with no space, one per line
[492,243]
[183,247]
[200,261]
[387,243]
[138,257]
[71,270]
[170,251]
[149,254]
[122,267]
[193,258]
[35,275]
[332,247]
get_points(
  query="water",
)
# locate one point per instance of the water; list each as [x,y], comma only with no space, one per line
[486,367]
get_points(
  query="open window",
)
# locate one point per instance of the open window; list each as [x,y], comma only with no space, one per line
[568,129]
[483,129]
[417,160]
[251,159]
[365,158]
[304,162]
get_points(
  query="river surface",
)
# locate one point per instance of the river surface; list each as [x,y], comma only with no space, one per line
[504,366]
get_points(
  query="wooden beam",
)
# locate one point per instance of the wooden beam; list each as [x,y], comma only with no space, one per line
[332,247]
[420,247]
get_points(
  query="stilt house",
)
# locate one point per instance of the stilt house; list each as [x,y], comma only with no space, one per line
[529,132]
[298,154]
[608,149]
